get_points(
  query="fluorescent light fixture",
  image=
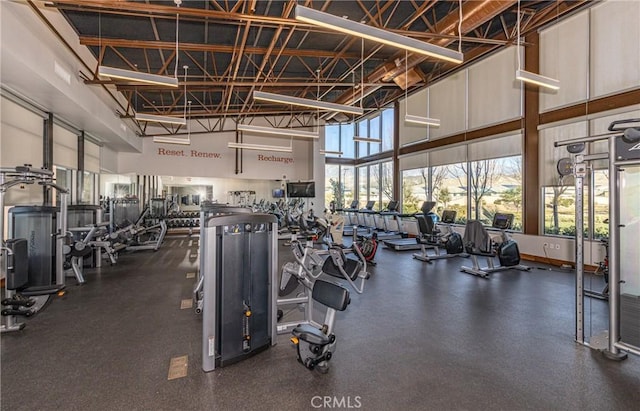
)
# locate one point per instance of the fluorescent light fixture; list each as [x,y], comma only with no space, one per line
[161,119]
[138,76]
[260,147]
[287,132]
[367,140]
[408,118]
[537,79]
[331,152]
[353,28]
[305,102]
[172,140]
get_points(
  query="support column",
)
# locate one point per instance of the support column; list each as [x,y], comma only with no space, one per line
[397,178]
[47,155]
[530,149]
[80,173]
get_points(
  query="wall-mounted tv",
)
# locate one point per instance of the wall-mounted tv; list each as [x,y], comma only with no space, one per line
[277,193]
[307,189]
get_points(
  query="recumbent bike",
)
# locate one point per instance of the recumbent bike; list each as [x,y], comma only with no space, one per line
[431,237]
[478,243]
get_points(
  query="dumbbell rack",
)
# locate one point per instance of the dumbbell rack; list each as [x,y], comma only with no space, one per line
[177,223]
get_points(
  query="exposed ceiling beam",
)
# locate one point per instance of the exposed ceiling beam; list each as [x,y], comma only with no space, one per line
[216,48]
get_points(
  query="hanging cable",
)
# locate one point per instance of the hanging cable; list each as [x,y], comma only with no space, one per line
[406,82]
[361,74]
[178,3]
[185,67]
[460,26]
[518,38]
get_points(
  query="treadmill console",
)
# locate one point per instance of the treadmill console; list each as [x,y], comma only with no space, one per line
[427,206]
[448,216]
[502,221]
[392,206]
[369,206]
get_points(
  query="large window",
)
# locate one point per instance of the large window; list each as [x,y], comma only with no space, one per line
[332,188]
[415,189]
[559,210]
[64,179]
[339,137]
[375,183]
[374,132]
[601,203]
[363,131]
[386,183]
[381,127]
[456,189]
[363,185]
[332,138]
[495,185]
[346,140]
[474,189]
[387,129]
[348,180]
[90,186]
[339,185]
[559,206]
[449,190]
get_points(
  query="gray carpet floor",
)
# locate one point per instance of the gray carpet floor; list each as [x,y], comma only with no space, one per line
[421,337]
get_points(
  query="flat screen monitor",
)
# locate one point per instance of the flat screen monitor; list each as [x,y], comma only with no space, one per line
[502,221]
[277,193]
[307,189]
[449,216]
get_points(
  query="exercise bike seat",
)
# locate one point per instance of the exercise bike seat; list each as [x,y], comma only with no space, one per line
[41,290]
[350,266]
[476,239]
[311,335]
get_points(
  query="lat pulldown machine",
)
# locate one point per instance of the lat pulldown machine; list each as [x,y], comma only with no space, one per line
[33,266]
[623,155]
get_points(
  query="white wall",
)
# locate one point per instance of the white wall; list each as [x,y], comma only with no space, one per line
[495,96]
[36,65]
[20,143]
[209,156]
[594,53]
[481,95]
[564,55]
[615,48]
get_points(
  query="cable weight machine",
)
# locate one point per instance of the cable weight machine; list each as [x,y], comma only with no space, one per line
[33,267]
[623,156]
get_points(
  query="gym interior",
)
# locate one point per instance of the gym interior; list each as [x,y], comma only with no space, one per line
[292,205]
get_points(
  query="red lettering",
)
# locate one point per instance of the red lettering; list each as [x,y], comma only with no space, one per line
[161,151]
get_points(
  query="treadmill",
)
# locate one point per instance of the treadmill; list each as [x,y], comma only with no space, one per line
[391,211]
[354,213]
[412,243]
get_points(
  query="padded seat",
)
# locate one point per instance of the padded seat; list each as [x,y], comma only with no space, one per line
[429,234]
[311,335]
[476,239]
[351,267]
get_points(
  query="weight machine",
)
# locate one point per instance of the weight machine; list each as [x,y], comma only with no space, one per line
[239,254]
[623,155]
[31,279]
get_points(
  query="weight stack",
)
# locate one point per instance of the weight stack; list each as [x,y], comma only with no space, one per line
[630,319]
[239,258]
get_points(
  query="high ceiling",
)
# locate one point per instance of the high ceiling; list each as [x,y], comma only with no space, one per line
[232,48]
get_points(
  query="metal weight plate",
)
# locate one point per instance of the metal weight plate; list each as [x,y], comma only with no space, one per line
[565,166]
